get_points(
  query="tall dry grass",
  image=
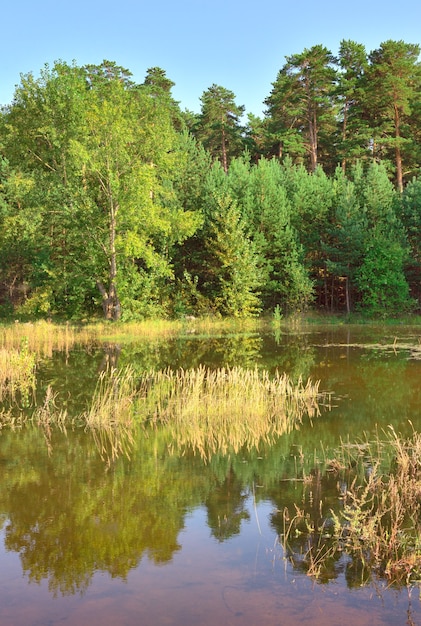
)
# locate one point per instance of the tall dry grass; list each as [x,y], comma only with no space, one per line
[110,415]
[44,338]
[217,410]
[17,373]
[381,520]
[379,525]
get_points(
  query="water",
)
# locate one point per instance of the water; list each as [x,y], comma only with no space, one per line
[164,537]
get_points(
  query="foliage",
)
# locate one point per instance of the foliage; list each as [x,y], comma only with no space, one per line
[113,201]
[214,411]
[218,125]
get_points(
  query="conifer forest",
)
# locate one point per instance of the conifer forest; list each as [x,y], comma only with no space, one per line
[114,202]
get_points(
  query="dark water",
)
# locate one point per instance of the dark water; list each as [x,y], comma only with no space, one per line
[164,537]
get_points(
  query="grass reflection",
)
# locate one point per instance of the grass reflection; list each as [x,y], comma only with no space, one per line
[376,529]
[210,411]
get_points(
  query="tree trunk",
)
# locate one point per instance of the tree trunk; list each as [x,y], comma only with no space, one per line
[344,132]
[110,302]
[347,298]
[312,131]
[224,150]
[398,155]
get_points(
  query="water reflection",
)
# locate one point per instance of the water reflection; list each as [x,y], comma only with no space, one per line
[70,517]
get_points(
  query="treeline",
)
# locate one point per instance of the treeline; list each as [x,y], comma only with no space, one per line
[112,197]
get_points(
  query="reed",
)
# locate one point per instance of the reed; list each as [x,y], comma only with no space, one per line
[379,525]
[381,520]
[110,415]
[44,338]
[224,409]
[17,374]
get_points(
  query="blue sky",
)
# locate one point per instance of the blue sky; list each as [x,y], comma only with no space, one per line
[240,45]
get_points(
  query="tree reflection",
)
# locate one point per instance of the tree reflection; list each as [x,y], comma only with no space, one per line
[226,506]
[67,517]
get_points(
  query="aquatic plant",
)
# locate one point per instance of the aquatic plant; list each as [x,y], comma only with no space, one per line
[109,416]
[381,520]
[17,373]
[227,408]
[44,337]
[379,525]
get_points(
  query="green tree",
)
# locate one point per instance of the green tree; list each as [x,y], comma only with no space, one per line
[286,281]
[235,277]
[39,127]
[222,266]
[101,153]
[393,88]
[343,245]
[301,107]
[381,277]
[410,215]
[159,87]
[354,132]
[311,198]
[218,125]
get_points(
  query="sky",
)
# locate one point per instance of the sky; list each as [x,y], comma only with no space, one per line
[237,44]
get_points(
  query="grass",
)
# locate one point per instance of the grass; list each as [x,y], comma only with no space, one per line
[206,411]
[379,525]
[225,409]
[43,337]
[381,522]
[110,416]
[17,374]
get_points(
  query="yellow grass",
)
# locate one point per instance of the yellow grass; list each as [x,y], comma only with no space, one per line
[213,411]
[17,373]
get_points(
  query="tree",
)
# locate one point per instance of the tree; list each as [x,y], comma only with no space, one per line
[381,277]
[129,154]
[235,277]
[264,201]
[410,214]
[354,132]
[46,115]
[159,86]
[311,197]
[343,244]
[101,154]
[218,125]
[393,87]
[301,108]
[222,271]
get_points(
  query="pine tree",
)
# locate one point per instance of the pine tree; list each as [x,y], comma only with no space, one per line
[218,126]
[393,88]
[354,132]
[301,107]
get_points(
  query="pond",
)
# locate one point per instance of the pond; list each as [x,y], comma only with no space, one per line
[161,535]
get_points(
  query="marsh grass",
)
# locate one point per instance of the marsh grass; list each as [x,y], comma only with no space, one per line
[43,338]
[17,374]
[211,411]
[379,525]
[109,416]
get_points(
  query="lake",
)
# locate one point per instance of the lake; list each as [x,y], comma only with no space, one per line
[162,535]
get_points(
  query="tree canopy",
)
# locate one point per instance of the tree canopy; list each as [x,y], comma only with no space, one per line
[114,201]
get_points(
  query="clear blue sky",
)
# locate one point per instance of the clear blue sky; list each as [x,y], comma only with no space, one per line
[239,44]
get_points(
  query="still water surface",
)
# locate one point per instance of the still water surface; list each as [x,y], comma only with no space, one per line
[165,537]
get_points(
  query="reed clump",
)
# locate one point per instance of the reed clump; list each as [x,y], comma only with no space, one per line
[17,373]
[379,525]
[110,414]
[43,337]
[381,519]
[217,410]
